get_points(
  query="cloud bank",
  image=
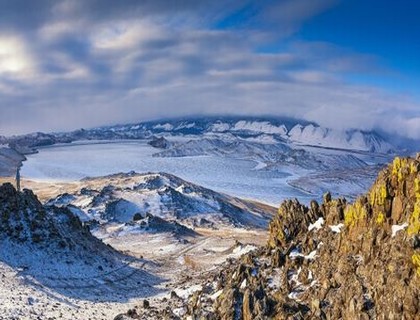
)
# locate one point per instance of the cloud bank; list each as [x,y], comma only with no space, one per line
[72,63]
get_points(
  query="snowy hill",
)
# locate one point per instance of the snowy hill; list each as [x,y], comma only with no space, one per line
[351,139]
[293,132]
[53,250]
[134,199]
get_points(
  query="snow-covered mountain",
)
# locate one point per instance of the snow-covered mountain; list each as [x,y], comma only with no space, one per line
[138,199]
[292,132]
[351,139]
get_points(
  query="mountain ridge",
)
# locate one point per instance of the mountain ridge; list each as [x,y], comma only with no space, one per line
[284,129]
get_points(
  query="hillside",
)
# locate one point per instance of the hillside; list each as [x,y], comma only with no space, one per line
[130,199]
[332,260]
[52,265]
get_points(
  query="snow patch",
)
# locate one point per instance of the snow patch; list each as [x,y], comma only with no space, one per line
[396,228]
[260,165]
[317,225]
[260,126]
[296,253]
[166,127]
[336,228]
[241,250]
[215,295]
[219,127]
[185,293]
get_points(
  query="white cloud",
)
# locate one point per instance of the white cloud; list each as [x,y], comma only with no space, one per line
[54,30]
[312,76]
[83,68]
[124,35]
[14,57]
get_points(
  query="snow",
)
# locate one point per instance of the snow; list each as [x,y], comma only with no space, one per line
[317,225]
[232,176]
[185,293]
[336,228]
[263,138]
[275,281]
[396,228]
[215,295]
[311,255]
[166,127]
[332,138]
[259,126]
[294,294]
[219,127]
[260,165]
[294,277]
[241,250]
[180,312]
[296,253]
[187,125]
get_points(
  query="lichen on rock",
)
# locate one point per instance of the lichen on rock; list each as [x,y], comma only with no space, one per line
[359,272]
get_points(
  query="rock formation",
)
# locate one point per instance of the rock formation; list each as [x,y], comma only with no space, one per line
[336,260]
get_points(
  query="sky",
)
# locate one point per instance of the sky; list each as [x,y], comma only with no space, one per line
[69,64]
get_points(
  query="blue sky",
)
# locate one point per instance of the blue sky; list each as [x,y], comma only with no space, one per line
[68,64]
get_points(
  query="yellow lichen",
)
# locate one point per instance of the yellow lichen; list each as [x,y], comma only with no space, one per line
[417,188]
[414,221]
[400,176]
[380,218]
[396,166]
[378,195]
[353,213]
[413,168]
[400,167]
[416,261]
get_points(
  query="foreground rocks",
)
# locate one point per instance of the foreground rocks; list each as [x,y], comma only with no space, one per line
[334,260]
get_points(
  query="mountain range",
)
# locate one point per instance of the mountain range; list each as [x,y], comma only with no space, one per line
[288,131]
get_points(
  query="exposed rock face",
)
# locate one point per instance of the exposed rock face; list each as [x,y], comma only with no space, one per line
[336,260]
[160,143]
[24,219]
[28,228]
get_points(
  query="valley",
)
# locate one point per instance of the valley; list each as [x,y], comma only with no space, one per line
[156,210]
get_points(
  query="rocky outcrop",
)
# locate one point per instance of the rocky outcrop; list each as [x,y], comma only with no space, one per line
[160,143]
[25,224]
[335,260]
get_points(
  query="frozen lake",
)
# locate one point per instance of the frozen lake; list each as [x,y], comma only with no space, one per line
[235,177]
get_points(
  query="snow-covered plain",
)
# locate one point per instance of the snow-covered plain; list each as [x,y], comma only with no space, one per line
[232,176]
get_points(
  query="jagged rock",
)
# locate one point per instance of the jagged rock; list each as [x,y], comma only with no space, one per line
[160,143]
[363,262]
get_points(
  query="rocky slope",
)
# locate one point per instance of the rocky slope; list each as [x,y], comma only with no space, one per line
[132,198]
[334,260]
[52,249]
